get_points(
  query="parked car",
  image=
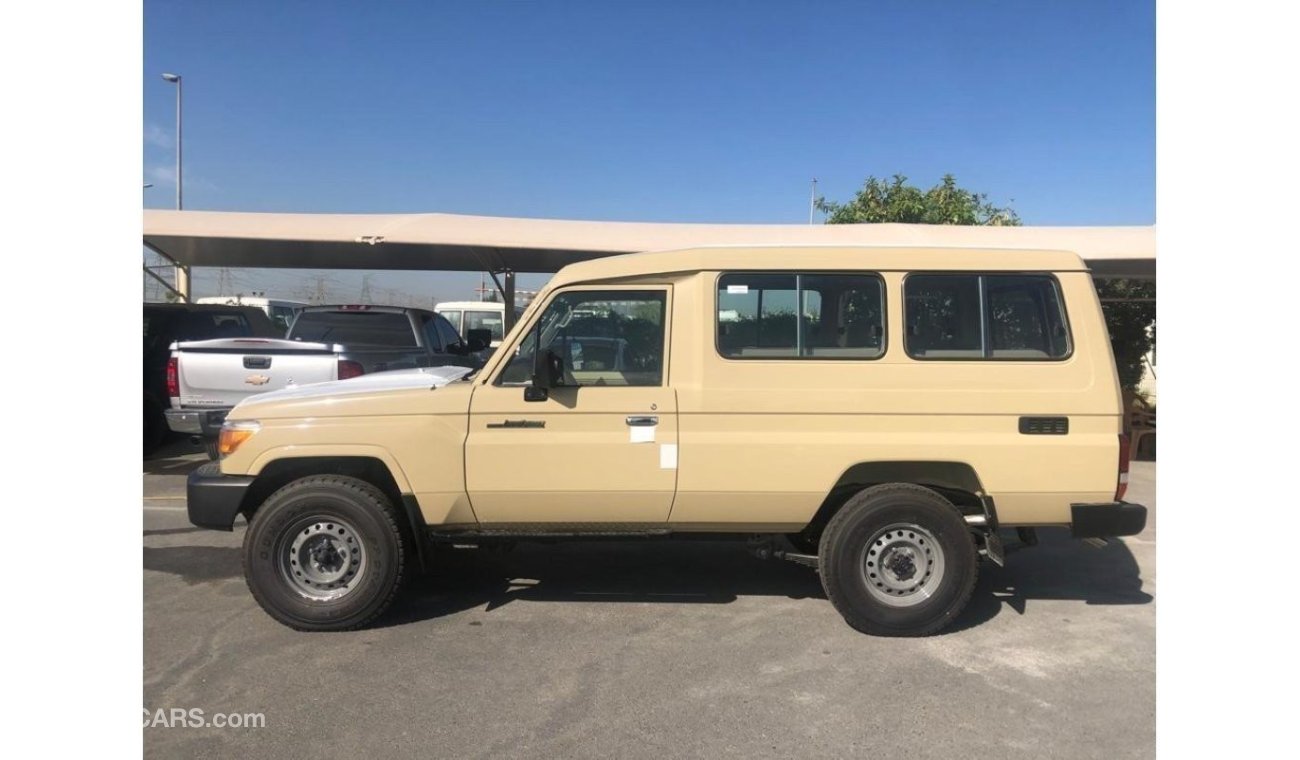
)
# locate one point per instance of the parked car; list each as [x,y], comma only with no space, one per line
[281,311]
[875,413]
[165,324]
[476,315]
[323,343]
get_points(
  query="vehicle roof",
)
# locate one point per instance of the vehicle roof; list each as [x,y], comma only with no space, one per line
[247,300]
[828,258]
[465,305]
[364,307]
[178,307]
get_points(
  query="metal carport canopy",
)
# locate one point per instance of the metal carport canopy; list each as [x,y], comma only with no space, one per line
[455,242]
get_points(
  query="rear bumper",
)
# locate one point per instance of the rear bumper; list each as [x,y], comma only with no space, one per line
[213,499]
[1107,520]
[202,422]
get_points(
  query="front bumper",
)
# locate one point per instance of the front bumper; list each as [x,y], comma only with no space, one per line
[213,499]
[1107,520]
[201,422]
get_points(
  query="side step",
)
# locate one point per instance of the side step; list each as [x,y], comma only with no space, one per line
[514,534]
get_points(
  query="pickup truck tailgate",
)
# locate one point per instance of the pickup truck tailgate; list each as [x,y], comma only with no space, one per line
[223,372]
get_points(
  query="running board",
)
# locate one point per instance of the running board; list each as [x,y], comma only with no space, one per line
[512,534]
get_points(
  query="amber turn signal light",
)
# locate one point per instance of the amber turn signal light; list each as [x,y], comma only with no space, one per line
[233,435]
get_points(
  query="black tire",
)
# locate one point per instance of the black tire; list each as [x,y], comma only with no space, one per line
[210,448]
[858,531]
[318,499]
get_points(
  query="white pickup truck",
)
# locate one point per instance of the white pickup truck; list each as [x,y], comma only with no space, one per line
[206,378]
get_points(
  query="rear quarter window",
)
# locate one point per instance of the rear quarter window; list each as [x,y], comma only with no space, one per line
[985,316]
[815,315]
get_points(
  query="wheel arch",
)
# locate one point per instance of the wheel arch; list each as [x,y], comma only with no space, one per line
[956,481]
[278,473]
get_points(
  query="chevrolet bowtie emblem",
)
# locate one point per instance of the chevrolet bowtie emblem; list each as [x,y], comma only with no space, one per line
[257,380]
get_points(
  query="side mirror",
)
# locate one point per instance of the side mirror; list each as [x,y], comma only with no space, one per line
[478,339]
[548,373]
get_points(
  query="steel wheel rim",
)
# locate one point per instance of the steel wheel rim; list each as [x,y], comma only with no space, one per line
[321,558]
[902,565]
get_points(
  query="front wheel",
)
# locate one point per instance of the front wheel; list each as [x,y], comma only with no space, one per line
[325,553]
[898,560]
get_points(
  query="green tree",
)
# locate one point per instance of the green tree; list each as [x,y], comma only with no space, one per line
[1130,318]
[1130,311]
[896,201]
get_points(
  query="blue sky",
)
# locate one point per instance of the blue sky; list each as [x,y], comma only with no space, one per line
[656,111]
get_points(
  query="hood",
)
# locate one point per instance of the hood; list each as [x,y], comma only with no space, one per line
[395,380]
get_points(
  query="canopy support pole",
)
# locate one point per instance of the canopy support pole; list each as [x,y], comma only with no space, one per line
[507,291]
[165,284]
[182,287]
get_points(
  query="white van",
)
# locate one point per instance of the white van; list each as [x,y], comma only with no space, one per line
[475,315]
[279,310]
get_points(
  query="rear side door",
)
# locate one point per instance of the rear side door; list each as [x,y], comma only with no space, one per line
[603,448]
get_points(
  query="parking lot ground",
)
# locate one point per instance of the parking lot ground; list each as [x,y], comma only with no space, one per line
[642,649]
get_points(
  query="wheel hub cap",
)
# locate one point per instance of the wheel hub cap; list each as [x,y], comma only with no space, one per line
[902,565]
[322,558]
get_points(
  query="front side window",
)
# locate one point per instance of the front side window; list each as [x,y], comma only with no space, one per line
[431,338]
[446,333]
[282,316]
[453,317]
[800,316]
[602,337]
[994,316]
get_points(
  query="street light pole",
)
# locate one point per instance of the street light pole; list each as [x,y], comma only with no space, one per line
[176,80]
[182,273]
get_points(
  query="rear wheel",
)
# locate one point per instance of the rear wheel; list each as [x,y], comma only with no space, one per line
[325,553]
[898,560]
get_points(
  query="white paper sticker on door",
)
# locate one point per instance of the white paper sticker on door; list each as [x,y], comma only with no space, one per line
[641,434]
[737,290]
[668,456]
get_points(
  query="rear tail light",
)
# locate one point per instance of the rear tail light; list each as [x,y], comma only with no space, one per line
[173,377]
[1121,484]
[350,369]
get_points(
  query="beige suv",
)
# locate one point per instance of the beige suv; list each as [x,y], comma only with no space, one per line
[877,413]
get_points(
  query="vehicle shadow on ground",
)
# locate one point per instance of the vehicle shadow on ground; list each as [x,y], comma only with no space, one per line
[673,572]
[691,572]
[176,456]
[195,564]
[1059,568]
[699,572]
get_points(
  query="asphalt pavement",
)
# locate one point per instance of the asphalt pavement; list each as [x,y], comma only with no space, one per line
[649,649]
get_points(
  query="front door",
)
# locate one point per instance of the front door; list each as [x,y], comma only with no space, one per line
[601,449]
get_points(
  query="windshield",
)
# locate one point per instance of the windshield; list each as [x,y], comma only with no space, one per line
[369,328]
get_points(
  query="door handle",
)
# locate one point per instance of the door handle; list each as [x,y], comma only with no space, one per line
[649,421]
[518,424]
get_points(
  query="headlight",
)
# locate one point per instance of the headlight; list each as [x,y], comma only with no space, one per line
[233,435]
